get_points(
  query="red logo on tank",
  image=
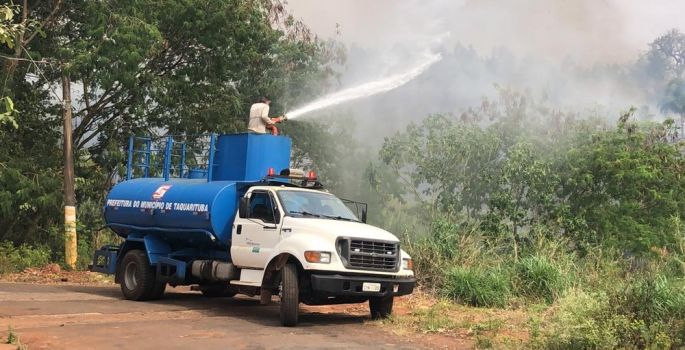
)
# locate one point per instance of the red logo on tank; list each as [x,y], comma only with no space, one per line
[159,193]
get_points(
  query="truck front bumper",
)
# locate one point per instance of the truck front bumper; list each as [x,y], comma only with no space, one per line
[336,285]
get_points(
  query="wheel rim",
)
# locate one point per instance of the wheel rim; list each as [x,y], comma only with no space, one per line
[130,276]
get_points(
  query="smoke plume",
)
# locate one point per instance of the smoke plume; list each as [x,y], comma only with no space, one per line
[575,54]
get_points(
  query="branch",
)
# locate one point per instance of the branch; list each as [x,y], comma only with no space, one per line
[83,142]
[101,99]
[25,12]
[10,58]
[91,112]
[46,22]
[86,98]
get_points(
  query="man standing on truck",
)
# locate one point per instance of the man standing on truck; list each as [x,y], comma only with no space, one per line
[259,118]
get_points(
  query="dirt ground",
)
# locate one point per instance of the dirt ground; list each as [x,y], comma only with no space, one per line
[69,316]
[51,309]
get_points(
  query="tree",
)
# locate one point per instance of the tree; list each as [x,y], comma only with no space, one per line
[667,54]
[523,195]
[625,185]
[673,100]
[535,169]
[437,162]
[137,67]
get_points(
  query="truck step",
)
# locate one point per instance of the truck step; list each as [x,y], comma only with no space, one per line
[246,283]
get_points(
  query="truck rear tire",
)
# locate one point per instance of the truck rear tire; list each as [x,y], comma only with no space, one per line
[138,278]
[381,307]
[290,296]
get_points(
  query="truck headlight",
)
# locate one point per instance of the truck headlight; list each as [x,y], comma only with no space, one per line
[317,257]
[407,264]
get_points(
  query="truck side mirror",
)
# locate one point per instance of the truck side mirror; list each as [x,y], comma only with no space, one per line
[364,215]
[243,207]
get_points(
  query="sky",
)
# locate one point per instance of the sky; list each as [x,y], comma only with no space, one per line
[588,31]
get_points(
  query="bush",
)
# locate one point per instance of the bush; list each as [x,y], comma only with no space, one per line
[643,312]
[436,318]
[537,277]
[447,244]
[579,321]
[14,259]
[478,287]
[655,298]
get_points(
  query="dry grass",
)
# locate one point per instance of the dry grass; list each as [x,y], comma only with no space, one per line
[52,273]
[443,324]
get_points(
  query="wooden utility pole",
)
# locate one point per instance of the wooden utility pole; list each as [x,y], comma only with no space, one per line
[70,253]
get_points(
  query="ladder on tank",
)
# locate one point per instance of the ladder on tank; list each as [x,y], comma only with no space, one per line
[172,156]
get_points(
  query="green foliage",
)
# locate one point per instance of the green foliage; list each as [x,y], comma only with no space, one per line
[523,194]
[447,244]
[435,319]
[478,286]
[11,337]
[8,29]
[580,322]
[644,312]
[620,188]
[6,116]
[186,67]
[453,158]
[655,298]
[30,175]
[17,258]
[626,186]
[537,277]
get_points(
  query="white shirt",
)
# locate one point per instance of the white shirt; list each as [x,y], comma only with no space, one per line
[259,118]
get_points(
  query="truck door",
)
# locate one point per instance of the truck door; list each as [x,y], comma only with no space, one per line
[255,236]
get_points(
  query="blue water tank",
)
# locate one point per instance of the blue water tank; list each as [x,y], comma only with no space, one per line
[197,173]
[248,157]
[197,212]
[178,210]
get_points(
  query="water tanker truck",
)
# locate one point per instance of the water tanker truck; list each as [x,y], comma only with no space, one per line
[243,222]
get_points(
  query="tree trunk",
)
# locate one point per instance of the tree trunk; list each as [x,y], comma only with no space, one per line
[70,253]
[516,242]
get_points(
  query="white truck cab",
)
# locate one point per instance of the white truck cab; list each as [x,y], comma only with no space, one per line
[308,246]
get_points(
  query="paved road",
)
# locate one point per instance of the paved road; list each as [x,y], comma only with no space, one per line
[96,317]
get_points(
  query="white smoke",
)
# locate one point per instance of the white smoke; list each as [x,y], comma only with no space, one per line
[575,55]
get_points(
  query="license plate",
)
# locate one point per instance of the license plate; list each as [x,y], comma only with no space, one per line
[371,287]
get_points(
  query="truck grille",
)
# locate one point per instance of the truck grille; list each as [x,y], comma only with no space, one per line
[369,255]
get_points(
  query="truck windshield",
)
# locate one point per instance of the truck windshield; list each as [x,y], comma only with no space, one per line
[314,204]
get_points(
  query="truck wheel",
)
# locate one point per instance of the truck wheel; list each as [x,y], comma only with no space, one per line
[290,296]
[138,279]
[381,307]
[217,291]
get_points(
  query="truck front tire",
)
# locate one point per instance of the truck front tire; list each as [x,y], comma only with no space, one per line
[138,278]
[381,307]
[290,296]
